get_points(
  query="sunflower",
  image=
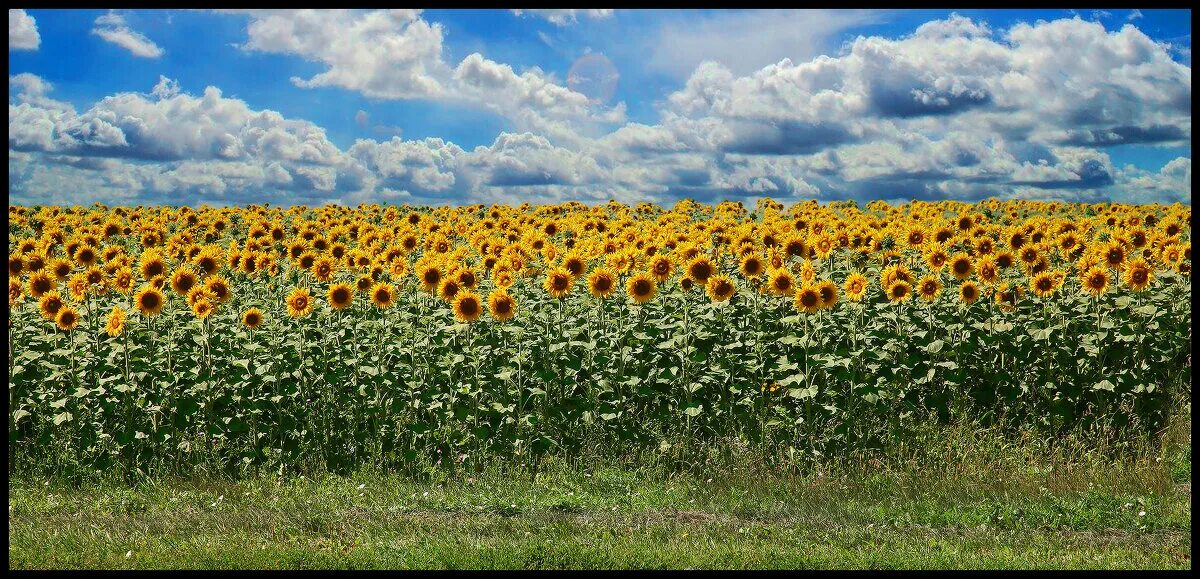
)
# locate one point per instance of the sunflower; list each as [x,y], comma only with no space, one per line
[1138,275]
[574,264]
[700,269]
[16,264]
[61,268]
[894,273]
[1114,254]
[602,283]
[183,280]
[219,287]
[450,289]
[199,293]
[855,286]
[299,303]
[1004,259]
[660,268]
[968,292]
[501,305]
[152,265]
[503,278]
[50,304]
[1044,284]
[467,307]
[1095,281]
[828,292]
[780,282]
[252,318]
[340,295]
[1007,298]
[115,322]
[558,283]
[324,268]
[686,284]
[928,288]
[641,288]
[899,291]
[431,277]
[78,286]
[382,295]
[86,256]
[720,288]
[936,259]
[752,266]
[988,272]
[363,283]
[67,318]
[123,280]
[961,266]
[39,284]
[16,292]
[808,299]
[202,308]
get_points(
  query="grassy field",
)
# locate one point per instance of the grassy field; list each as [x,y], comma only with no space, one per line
[978,506]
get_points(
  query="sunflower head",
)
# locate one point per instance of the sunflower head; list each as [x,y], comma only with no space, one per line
[968,292]
[501,305]
[1095,280]
[1138,275]
[467,307]
[961,266]
[660,268]
[899,291]
[183,280]
[383,295]
[67,318]
[928,288]
[299,303]
[150,300]
[1044,284]
[700,269]
[752,266]
[641,288]
[781,283]
[39,283]
[602,283]
[855,286]
[558,283]
[252,318]
[450,289]
[50,304]
[720,288]
[828,292]
[202,308]
[808,299]
[340,296]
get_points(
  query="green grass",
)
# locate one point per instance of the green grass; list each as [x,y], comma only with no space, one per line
[1087,517]
[945,497]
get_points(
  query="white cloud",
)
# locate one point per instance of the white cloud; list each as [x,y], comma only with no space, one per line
[391,54]
[113,28]
[565,17]
[744,41]
[22,31]
[1134,15]
[395,54]
[953,110]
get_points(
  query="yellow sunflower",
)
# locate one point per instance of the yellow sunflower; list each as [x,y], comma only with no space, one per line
[641,288]
[299,303]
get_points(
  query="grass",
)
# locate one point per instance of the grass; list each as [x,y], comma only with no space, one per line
[947,498]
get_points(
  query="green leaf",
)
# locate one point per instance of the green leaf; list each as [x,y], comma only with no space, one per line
[61,418]
[1104,385]
[694,411]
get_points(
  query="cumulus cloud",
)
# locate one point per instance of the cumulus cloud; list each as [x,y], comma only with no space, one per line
[113,28]
[744,41]
[22,31]
[395,54]
[566,16]
[955,110]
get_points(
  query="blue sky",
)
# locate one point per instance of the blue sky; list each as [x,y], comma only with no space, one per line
[460,106]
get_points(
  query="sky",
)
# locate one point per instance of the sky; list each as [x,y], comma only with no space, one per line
[437,107]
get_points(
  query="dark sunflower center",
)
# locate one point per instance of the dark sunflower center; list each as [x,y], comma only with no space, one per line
[809,299]
[641,287]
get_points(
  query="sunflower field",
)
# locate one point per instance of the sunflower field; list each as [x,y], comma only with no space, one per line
[159,338]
